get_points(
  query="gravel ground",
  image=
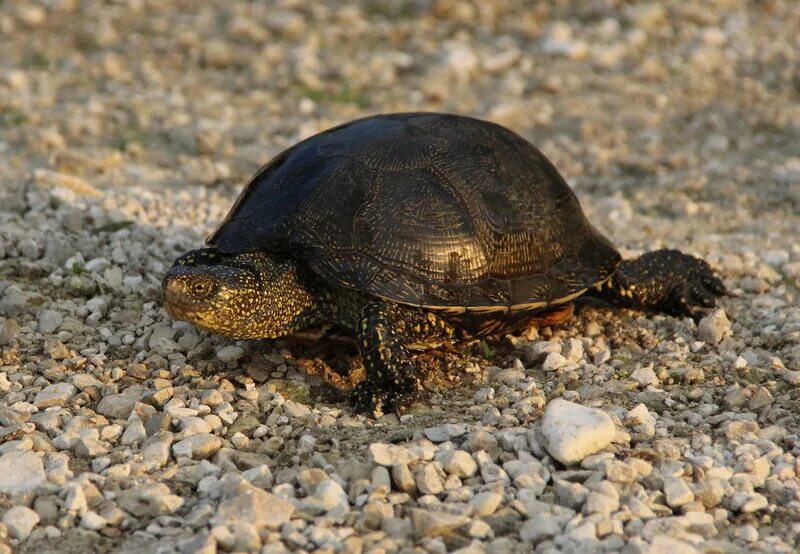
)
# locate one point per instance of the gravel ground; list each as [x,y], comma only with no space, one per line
[126,130]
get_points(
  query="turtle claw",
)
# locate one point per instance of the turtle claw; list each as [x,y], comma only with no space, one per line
[370,399]
[695,288]
[666,281]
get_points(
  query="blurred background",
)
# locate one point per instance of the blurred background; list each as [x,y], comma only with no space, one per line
[177,92]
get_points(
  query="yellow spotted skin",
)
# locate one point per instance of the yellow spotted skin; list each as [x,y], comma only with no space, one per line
[666,281]
[385,331]
[260,295]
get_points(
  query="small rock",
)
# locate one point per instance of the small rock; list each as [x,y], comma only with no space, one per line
[457,462]
[244,502]
[560,42]
[748,533]
[436,524]
[116,406]
[403,478]
[20,521]
[541,527]
[427,479]
[197,447]
[714,327]
[193,425]
[572,350]
[83,381]
[446,432]
[92,521]
[9,332]
[230,353]
[748,503]
[598,503]
[149,500]
[644,376]
[295,409]
[160,421]
[134,433]
[664,544]
[260,476]
[329,498]
[571,431]
[390,454]
[20,472]
[50,321]
[485,503]
[677,492]
[553,362]
[761,399]
[54,395]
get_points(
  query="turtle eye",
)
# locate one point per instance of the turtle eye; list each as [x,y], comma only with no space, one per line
[201,288]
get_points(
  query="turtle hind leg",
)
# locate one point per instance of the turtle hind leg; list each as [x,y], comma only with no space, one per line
[666,281]
[383,333]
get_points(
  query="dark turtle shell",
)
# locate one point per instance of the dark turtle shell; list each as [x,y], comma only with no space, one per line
[428,209]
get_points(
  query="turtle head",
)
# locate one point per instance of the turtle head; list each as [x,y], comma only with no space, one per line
[244,296]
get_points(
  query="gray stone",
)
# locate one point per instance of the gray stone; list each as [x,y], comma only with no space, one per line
[134,433]
[9,332]
[54,395]
[436,524]
[714,327]
[116,406]
[201,543]
[446,432]
[644,376]
[329,498]
[485,503]
[427,479]
[403,478]
[390,454]
[160,421]
[677,492]
[154,455]
[457,462]
[260,476]
[230,353]
[528,475]
[244,502]
[149,500]
[20,521]
[192,425]
[571,431]
[664,544]
[197,447]
[162,340]
[541,527]
[20,472]
[50,321]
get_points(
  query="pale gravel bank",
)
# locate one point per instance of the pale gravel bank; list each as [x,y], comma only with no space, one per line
[126,130]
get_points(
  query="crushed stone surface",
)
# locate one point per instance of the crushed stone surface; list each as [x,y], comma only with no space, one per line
[126,132]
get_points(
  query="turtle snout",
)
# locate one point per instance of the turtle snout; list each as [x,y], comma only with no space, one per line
[183,294]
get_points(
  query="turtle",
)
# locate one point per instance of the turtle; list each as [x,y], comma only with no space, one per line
[408,229]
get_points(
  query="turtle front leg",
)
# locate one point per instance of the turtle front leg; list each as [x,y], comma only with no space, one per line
[665,281]
[383,333]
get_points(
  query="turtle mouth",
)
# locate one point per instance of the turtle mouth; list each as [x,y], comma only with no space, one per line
[182,306]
